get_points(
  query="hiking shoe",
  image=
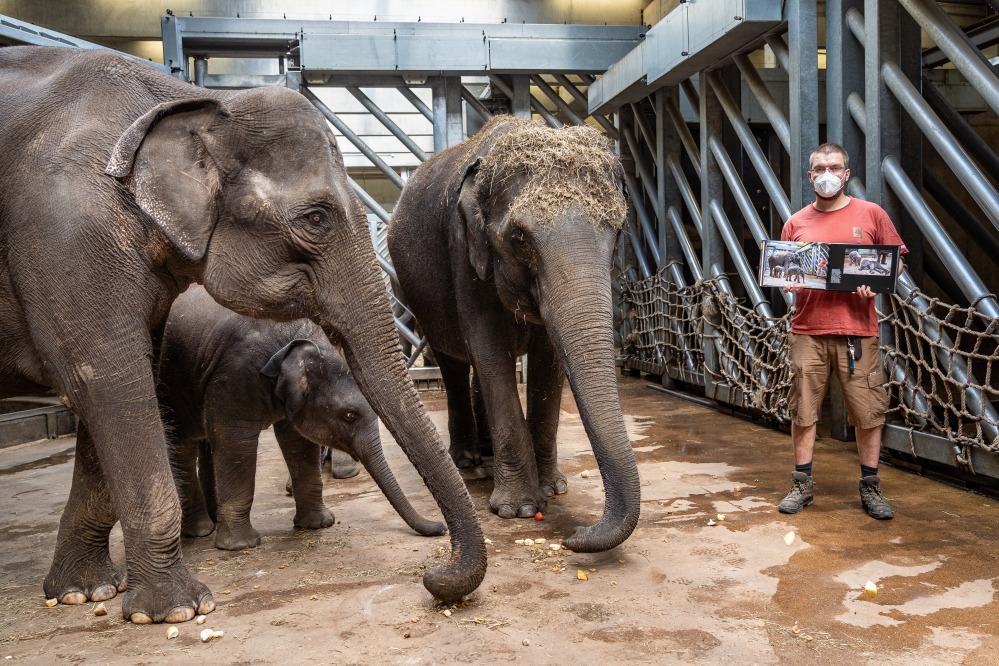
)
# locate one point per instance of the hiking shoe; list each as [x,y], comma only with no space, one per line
[872,500]
[800,495]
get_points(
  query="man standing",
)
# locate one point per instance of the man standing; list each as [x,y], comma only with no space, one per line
[837,332]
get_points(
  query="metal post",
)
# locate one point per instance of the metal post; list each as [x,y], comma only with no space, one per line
[448,126]
[200,70]
[173,46]
[712,246]
[803,91]
[844,76]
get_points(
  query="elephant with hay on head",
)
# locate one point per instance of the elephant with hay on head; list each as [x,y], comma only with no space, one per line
[503,246]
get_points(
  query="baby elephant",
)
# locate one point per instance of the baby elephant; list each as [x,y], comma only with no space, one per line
[872,266]
[223,378]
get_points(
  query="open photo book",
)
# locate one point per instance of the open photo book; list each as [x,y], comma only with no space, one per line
[831,266]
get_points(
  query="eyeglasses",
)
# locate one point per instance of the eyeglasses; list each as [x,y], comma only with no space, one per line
[837,169]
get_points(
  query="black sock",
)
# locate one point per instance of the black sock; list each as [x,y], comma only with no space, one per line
[868,471]
[805,469]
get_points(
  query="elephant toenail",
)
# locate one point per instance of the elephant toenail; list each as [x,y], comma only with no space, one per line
[181,614]
[206,605]
[526,511]
[140,618]
[103,593]
[73,598]
[561,488]
[505,511]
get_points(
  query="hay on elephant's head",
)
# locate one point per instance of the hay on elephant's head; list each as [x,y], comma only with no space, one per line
[555,169]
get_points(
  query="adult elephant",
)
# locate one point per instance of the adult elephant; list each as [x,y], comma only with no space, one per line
[503,246]
[120,186]
[223,378]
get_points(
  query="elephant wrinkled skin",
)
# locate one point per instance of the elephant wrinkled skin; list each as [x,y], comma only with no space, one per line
[503,246]
[120,186]
[223,378]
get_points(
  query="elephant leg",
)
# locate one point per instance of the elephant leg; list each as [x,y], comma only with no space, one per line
[206,475]
[184,461]
[82,569]
[464,447]
[483,437]
[544,398]
[127,438]
[516,492]
[234,455]
[341,465]
[303,460]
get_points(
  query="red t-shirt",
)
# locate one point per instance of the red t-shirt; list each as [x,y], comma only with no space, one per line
[820,312]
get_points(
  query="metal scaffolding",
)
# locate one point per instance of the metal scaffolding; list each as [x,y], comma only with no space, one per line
[715,110]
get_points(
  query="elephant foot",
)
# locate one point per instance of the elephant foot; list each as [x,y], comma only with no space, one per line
[465,456]
[511,502]
[196,525]
[553,482]
[174,596]
[342,466]
[314,519]
[75,581]
[228,537]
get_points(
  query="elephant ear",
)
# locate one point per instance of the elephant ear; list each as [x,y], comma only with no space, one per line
[288,367]
[476,229]
[174,179]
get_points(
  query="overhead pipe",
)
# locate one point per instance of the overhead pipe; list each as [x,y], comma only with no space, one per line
[647,228]
[557,100]
[686,138]
[767,102]
[577,95]
[959,212]
[476,105]
[389,124]
[420,105]
[970,139]
[971,285]
[354,139]
[753,151]
[950,39]
[738,190]
[944,142]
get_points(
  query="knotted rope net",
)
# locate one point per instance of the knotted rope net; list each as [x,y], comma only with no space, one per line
[939,361]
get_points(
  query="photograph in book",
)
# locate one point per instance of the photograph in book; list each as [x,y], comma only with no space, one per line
[830,266]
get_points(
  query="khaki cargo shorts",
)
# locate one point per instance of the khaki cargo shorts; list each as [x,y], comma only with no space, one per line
[814,358]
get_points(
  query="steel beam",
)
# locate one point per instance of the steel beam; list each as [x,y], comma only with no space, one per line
[844,75]
[389,124]
[449,129]
[803,84]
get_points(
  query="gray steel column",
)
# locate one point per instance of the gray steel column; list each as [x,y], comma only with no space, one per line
[519,92]
[667,143]
[844,77]
[200,70]
[881,19]
[803,89]
[448,123]
[173,46]
[712,245]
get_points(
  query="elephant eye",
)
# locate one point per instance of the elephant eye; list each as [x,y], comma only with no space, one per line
[315,217]
[349,416]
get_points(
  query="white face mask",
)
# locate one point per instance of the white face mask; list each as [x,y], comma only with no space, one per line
[827,183]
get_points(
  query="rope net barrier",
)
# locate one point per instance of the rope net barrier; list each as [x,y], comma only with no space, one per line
[939,362]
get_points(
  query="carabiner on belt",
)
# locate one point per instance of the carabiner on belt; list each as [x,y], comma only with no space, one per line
[850,352]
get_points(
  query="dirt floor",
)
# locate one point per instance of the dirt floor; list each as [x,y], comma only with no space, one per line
[680,590]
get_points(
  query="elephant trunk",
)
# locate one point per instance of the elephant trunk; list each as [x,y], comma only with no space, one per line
[358,317]
[372,457]
[580,329]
